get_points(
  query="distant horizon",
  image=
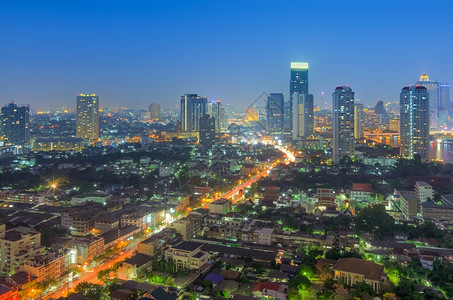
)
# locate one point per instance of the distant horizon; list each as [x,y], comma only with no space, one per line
[144,52]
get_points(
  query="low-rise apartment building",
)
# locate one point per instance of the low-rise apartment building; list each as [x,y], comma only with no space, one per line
[423,191]
[221,206]
[87,248]
[187,255]
[18,245]
[409,204]
[434,211]
[143,216]
[45,267]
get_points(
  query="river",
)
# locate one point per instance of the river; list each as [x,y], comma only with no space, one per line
[437,149]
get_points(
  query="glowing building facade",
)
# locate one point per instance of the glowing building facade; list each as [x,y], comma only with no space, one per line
[15,123]
[433,90]
[343,123]
[302,115]
[414,122]
[358,121]
[298,84]
[193,107]
[87,117]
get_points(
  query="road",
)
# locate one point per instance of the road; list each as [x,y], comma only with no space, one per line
[290,157]
[91,276]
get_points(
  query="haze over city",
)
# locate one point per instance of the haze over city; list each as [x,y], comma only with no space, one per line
[155,51]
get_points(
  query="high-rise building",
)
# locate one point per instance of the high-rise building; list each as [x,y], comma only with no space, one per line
[444,104]
[302,115]
[298,84]
[444,95]
[207,131]
[274,112]
[379,108]
[358,121]
[299,78]
[223,119]
[155,111]
[87,117]
[414,122]
[15,124]
[381,113]
[433,90]
[214,109]
[193,107]
[343,123]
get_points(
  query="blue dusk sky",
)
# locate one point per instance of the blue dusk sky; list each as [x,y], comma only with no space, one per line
[133,53]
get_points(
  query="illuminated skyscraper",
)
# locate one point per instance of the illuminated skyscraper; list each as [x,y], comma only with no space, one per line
[193,107]
[434,97]
[444,104]
[155,111]
[299,78]
[87,117]
[302,115]
[15,123]
[214,109]
[343,123]
[298,84]
[414,122]
[223,119]
[274,112]
[358,121]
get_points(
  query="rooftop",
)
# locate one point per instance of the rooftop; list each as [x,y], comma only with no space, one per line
[361,187]
[138,260]
[214,278]
[409,196]
[187,246]
[368,269]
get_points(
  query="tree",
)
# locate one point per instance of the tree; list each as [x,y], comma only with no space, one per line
[300,282]
[258,267]
[326,273]
[376,220]
[389,296]
[91,290]
[333,253]
[406,290]
[363,290]
[103,274]
[315,253]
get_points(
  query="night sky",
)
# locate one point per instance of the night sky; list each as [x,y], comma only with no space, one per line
[133,53]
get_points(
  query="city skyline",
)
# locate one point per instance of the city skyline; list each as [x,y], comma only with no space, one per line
[255,149]
[136,48]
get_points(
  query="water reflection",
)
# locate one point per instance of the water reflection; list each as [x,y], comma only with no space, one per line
[439,150]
